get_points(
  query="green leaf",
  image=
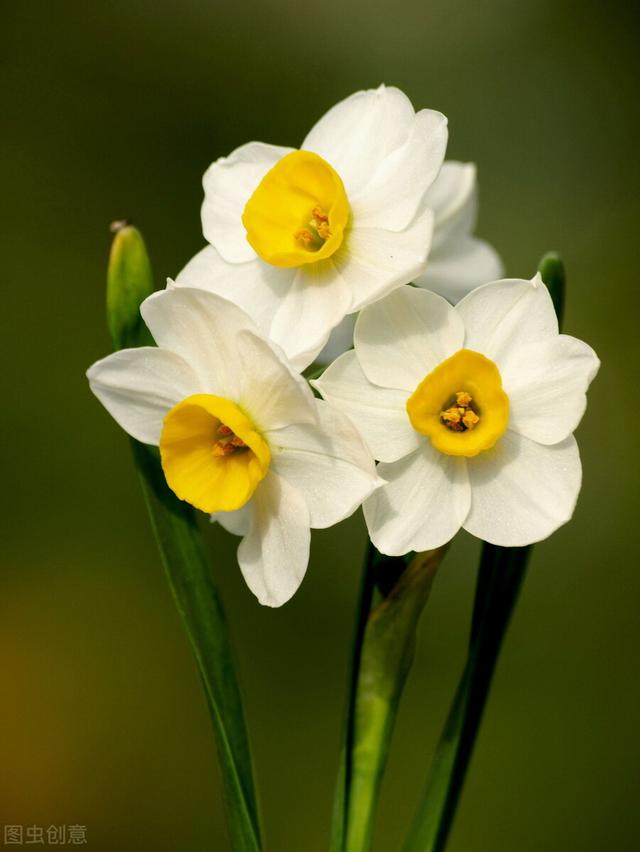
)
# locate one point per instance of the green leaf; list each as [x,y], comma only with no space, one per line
[500,578]
[385,645]
[187,570]
[179,541]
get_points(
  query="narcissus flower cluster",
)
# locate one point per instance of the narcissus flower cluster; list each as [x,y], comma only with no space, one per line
[468,408]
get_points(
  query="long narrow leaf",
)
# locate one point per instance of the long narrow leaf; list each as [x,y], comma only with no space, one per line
[385,648]
[185,563]
[500,577]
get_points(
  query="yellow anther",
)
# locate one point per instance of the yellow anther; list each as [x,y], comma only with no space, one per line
[218,450]
[461,416]
[322,227]
[451,415]
[470,419]
[227,442]
[319,214]
[304,236]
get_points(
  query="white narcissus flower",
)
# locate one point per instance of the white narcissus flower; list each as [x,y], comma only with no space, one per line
[458,261]
[470,411]
[301,238]
[241,436]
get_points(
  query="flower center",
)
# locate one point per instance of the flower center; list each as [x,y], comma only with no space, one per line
[212,455]
[461,415]
[298,212]
[317,232]
[226,442]
[460,405]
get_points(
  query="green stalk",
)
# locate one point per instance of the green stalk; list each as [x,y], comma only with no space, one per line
[384,650]
[500,578]
[179,541]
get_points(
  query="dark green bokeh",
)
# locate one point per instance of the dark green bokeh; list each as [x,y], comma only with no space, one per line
[114,109]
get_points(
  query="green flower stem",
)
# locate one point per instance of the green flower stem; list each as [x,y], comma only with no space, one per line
[196,598]
[500,578]
[175,527]
[384,650]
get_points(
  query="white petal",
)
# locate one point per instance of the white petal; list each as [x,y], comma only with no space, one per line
[404,336]
[236,523]
[522,491]
[202,328]
[423,505]
[453,198]
[309,310]
[269,392]
[228,185]
[458,266]
[340,339]
[379,413]
[397,188]
[274,555]
[328,464]
[547,383]
[139,386]
[374,262]
[358,133]
[502,314]
[255,286]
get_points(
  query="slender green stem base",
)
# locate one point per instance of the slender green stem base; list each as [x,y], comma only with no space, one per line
[500,578]
[383,654]
[196,598]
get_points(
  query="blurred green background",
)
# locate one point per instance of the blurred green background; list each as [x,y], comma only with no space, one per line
[115,109]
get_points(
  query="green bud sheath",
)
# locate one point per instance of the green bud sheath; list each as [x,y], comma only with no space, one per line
[551,268]
[129,282]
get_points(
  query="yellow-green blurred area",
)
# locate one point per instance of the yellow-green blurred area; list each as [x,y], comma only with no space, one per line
[115,109]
